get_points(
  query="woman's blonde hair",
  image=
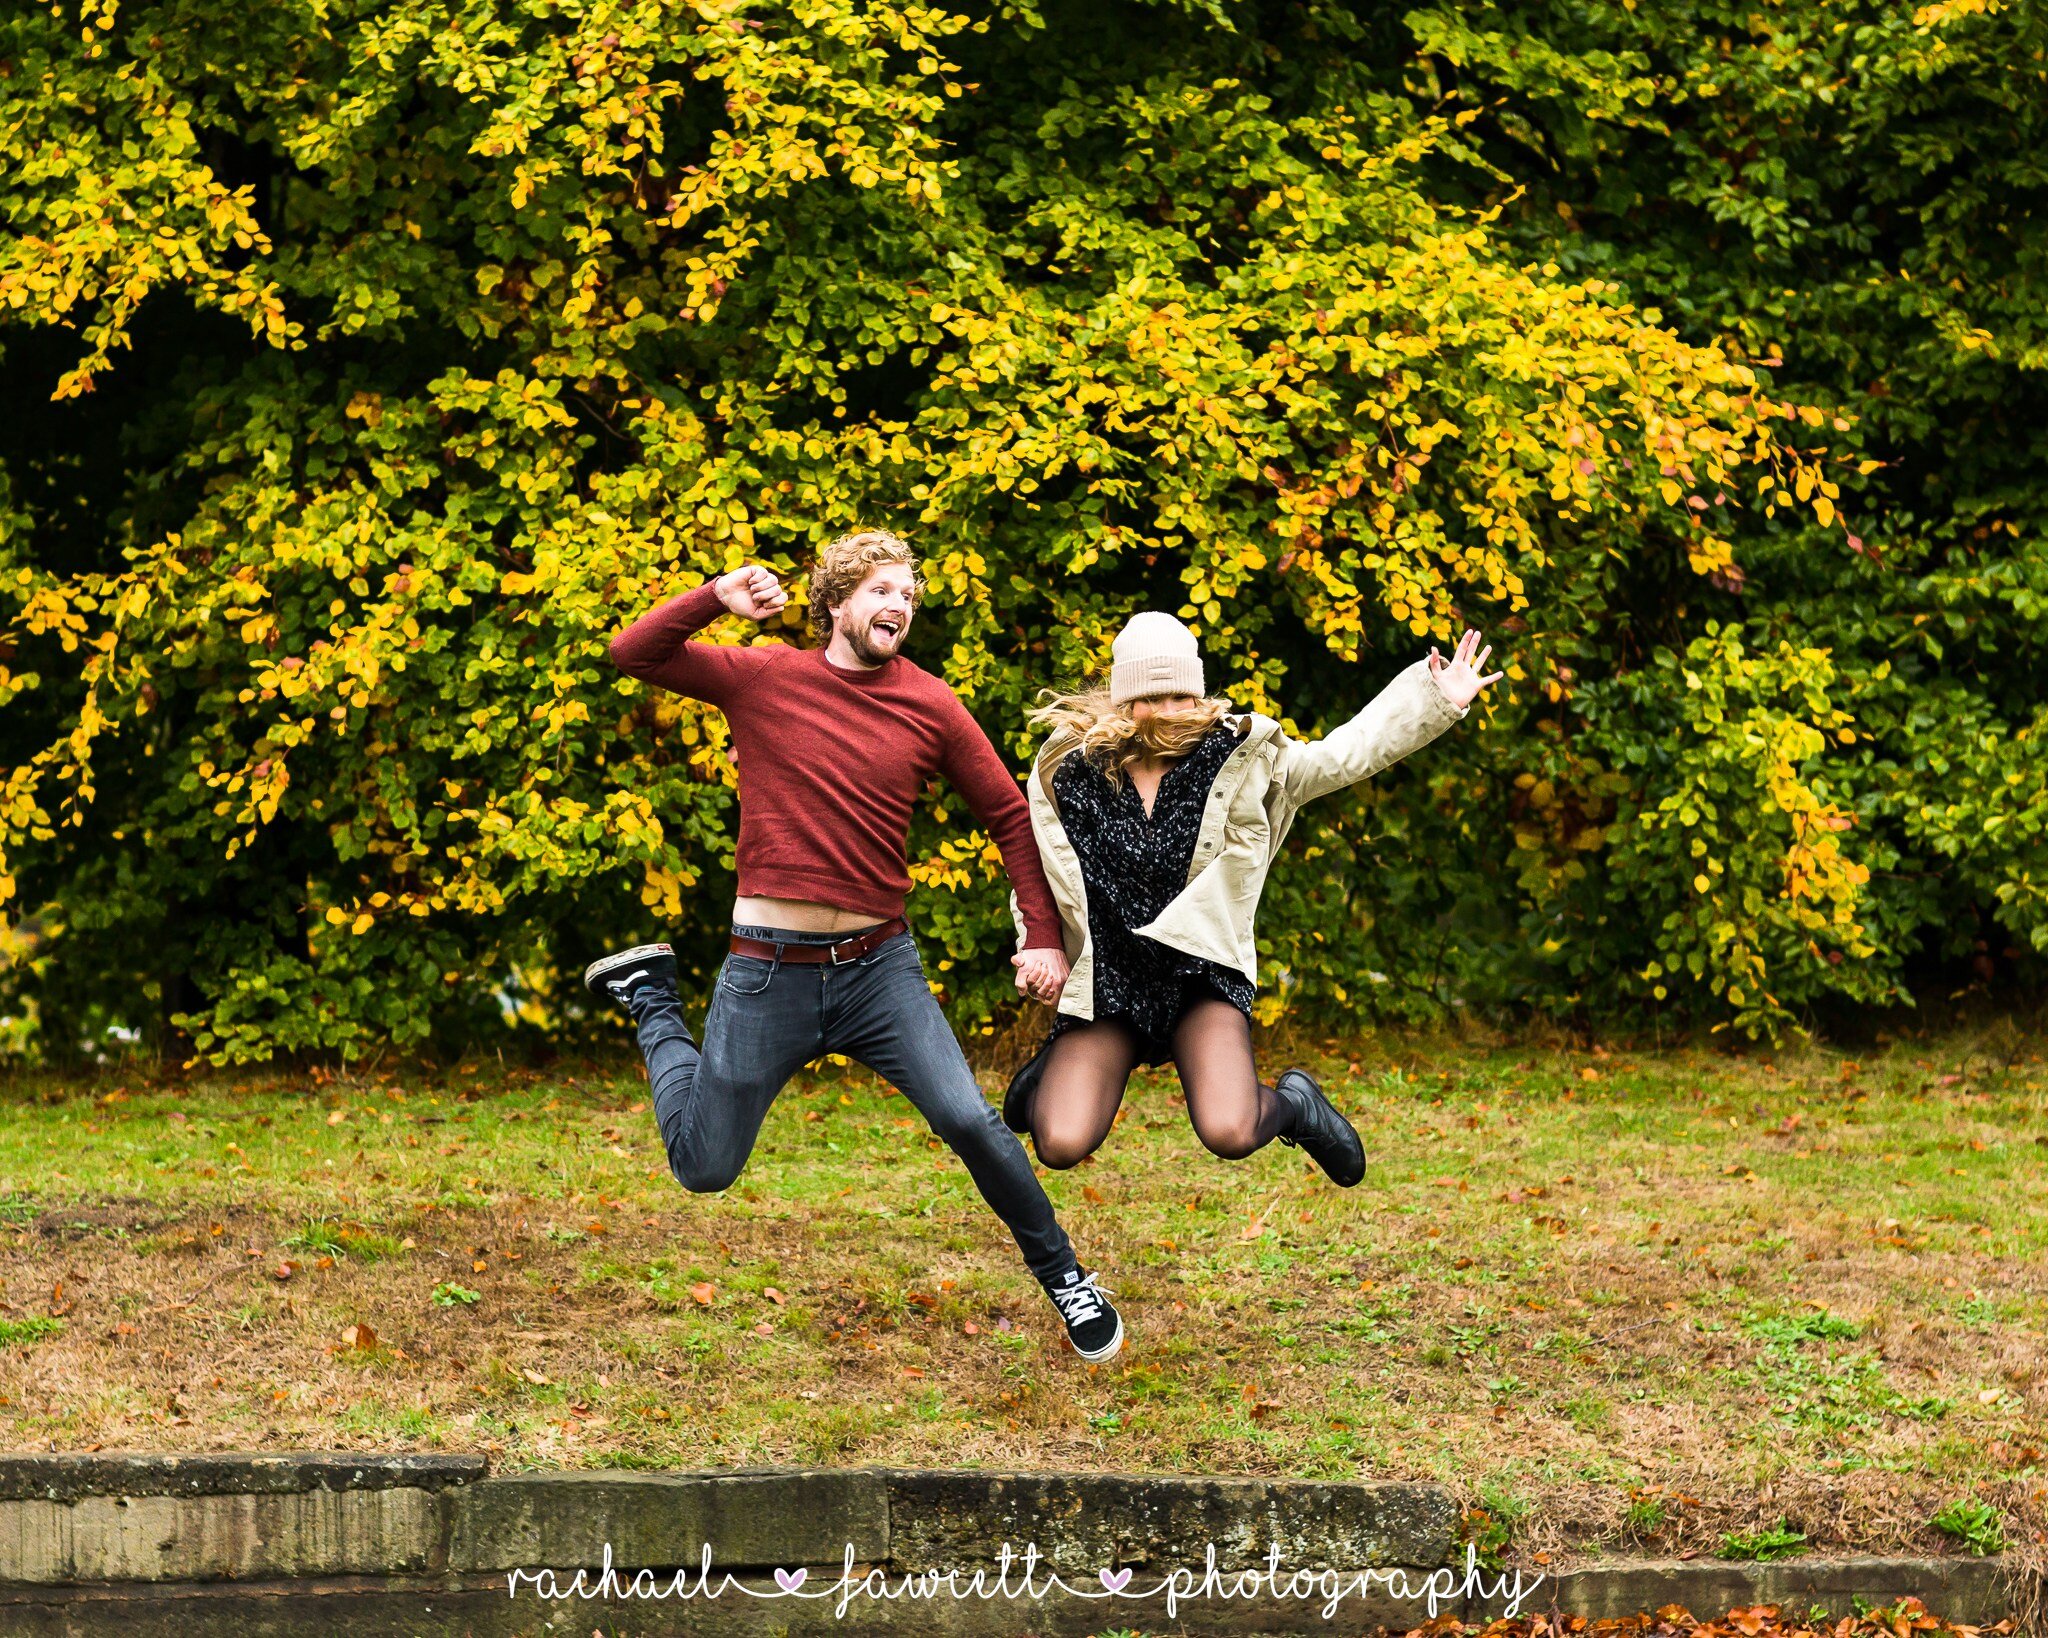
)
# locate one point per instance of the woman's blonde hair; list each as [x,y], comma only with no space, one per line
[849,560]
[1112,738]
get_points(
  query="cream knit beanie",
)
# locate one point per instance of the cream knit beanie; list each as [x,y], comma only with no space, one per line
[1153,654]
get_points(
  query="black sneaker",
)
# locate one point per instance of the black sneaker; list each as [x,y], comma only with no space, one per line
[1319,1131]
[1093,1326]
[1017,1100]
[620,978]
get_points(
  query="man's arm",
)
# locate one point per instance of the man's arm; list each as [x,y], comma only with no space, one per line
[654,649]
[1404,716]
[971,764]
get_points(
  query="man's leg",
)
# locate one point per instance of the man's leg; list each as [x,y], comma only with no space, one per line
[760,1029]
[880,1012]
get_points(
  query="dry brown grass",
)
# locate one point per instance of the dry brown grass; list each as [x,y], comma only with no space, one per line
[1566,1296]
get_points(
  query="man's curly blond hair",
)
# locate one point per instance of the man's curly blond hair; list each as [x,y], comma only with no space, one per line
[849,560]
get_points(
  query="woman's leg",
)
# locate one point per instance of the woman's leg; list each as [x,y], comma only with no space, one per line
[1235,1113]
[1078,1094]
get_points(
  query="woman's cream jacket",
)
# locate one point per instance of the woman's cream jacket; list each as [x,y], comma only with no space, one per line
[1252,804]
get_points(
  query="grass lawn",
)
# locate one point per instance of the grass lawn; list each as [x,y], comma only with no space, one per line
[1620,1299]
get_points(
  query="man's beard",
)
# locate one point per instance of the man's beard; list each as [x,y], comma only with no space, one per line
[863,647]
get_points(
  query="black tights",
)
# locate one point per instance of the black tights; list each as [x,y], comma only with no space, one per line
[1234,1113]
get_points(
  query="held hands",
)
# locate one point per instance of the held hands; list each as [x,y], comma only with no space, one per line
[1041,974]
[1459,677]
[752,592]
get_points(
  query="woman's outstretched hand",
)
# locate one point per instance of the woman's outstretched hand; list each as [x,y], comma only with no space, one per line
[1459,677]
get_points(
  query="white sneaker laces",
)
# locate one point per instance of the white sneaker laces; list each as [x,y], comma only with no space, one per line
[1079,1300]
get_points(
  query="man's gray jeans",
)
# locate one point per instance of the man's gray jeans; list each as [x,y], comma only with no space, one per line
[768,1018]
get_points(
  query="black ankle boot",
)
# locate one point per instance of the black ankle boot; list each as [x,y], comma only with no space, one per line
[622,978]
[1017,1100]
[1319,1131]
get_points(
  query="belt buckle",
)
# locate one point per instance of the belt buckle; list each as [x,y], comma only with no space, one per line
[832,950]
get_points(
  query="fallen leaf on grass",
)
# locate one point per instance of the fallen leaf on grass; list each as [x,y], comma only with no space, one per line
[704,1291]
[360,1336]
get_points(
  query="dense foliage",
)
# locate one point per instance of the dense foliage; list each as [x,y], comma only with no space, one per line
[395,356]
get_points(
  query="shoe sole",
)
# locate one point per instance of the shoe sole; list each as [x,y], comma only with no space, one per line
[604,964]
[1108,1348]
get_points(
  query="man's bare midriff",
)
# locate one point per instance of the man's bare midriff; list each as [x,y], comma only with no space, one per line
[798,915]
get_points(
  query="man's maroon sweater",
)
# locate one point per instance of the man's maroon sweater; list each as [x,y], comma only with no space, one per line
[831,762]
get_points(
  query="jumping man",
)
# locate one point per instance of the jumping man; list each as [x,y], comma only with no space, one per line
[834,745]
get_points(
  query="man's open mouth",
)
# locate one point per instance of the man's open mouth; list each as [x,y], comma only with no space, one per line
[888,623]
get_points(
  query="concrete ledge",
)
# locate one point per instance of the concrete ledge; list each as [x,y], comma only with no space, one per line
[189,1538]
[156,1518]
[477,1606]
[1091,1521]
[423,1545]
[751,1520]
[67,1478]
[1969,1591]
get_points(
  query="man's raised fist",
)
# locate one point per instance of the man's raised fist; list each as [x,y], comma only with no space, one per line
[752,592]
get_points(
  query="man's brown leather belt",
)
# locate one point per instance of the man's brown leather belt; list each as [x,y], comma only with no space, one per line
[846,950]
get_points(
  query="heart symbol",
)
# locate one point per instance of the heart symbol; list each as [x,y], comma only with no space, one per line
[789,1580]
[1116,1583]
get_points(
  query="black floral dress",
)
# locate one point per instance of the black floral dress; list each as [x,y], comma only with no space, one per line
[1131,867]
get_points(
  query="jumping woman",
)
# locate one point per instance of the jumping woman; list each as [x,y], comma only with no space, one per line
[1158,812]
